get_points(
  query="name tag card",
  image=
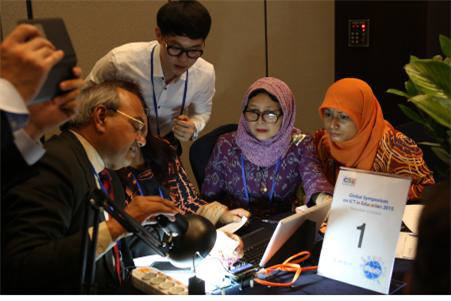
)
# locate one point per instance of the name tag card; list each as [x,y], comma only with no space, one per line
[363,228]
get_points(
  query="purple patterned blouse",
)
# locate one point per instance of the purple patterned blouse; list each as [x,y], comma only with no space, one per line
[224,177]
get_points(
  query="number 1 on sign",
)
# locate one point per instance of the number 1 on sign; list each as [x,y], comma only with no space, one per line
[362,230]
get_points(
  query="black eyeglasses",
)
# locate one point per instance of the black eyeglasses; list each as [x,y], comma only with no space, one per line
[137,124]
[267,116]
[174,50]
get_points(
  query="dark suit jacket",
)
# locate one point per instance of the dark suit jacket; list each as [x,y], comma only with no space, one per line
[13,166]
[13,169]
[44,220]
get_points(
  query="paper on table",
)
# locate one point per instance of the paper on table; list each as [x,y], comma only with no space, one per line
[235,226]
[223,243]
[407,246]
[411,217]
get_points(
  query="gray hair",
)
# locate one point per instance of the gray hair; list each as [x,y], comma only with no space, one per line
[104,93]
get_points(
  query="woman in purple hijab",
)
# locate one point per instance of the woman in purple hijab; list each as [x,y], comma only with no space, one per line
[261,165]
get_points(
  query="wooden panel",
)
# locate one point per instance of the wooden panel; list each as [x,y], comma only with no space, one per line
[10,12]
[301,53]
[236,48]
[96,27]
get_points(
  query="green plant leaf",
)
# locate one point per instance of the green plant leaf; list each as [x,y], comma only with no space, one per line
[398,92]
[445,44]
[411,88]
[438,108]
[413,59]
[437,58]
[413,115]
[442,154]
[429,143]
[430,77]
[429,88]
[439,131]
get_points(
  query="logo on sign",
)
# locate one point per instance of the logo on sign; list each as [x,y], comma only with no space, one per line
[373,269]
[349,181]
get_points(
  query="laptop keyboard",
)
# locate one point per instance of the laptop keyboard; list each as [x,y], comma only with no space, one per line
[254,254]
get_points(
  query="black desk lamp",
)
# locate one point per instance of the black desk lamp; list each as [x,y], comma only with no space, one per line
[186,238]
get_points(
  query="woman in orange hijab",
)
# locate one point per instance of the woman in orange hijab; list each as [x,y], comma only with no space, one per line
[357,135]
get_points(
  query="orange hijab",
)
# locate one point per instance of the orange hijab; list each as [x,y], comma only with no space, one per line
[355,98]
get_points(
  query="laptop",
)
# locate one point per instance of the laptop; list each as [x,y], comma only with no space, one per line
[271,242]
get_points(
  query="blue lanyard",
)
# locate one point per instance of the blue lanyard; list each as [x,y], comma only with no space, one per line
[97,176]
[155,106]
[140,191]
[243,174]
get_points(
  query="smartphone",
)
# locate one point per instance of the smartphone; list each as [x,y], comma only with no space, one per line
[54,30]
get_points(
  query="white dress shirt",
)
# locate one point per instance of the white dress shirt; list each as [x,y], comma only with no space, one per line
[133,61]
[104,240]
[17,114]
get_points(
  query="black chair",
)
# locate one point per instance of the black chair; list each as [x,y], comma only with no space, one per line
[201,149]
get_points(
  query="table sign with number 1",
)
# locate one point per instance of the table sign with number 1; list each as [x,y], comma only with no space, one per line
[363,228]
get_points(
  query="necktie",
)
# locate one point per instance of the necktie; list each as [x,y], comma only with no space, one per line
[105,177]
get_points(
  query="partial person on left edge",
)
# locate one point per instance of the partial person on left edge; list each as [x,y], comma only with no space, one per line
[26,58]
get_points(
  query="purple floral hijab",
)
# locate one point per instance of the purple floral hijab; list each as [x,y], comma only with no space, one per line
[266,153]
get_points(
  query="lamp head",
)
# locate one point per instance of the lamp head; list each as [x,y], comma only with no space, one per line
[195,234]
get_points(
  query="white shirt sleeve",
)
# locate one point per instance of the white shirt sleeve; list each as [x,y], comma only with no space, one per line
[202,105]
[12,103]
[104,240]
[104,68]
[30,149]
[10,99]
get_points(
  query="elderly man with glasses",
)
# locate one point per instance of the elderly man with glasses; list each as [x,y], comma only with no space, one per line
[44,217]
[170,71]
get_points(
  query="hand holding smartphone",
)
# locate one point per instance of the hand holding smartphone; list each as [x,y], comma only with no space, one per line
[55,31]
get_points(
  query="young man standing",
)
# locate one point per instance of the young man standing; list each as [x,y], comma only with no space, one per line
[170,71]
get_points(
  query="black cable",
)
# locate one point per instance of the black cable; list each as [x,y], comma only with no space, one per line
[29,10]
[266,39]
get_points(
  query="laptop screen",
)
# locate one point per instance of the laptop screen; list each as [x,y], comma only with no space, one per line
[269,242]
[287,227]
